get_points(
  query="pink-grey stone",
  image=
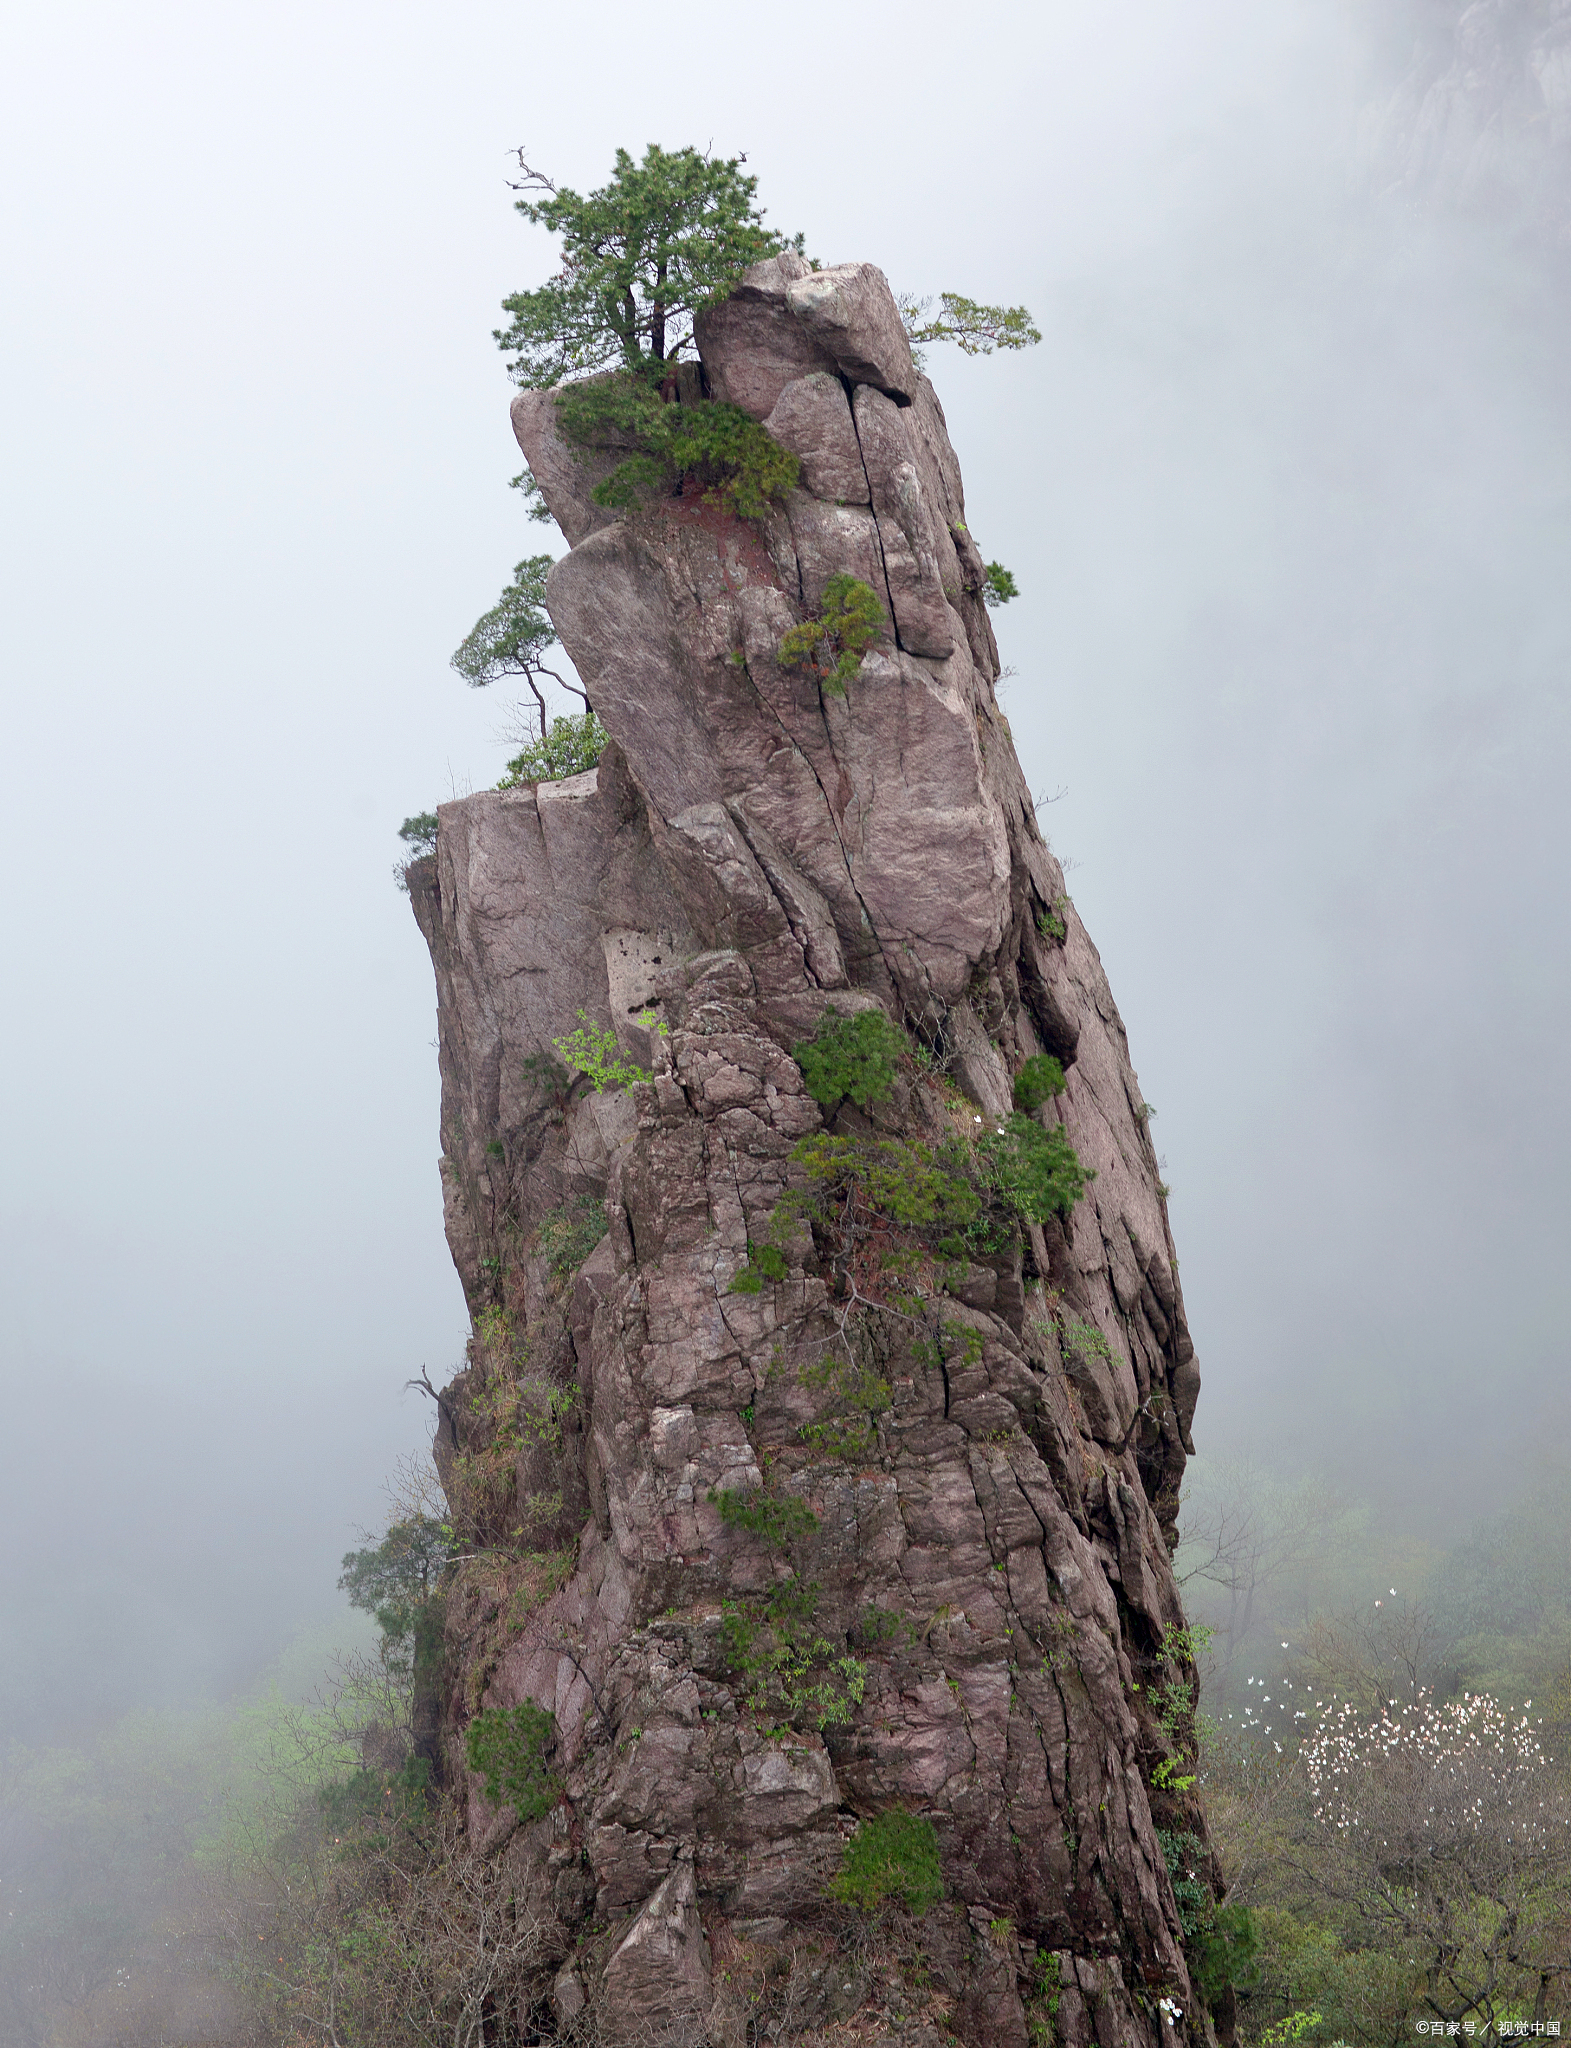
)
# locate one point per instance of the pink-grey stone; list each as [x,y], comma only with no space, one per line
[850,312]
[812,417]
[753,346]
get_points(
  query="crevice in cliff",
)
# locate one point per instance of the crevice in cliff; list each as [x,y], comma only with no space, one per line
[766,868]
[829,811]
[878,531]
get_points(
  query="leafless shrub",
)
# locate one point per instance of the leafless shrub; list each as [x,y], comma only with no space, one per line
[366,1916]
[1385,1653]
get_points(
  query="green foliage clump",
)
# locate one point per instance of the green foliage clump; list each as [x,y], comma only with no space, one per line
[1087,1341]
[886,1204]
[535,507]
[850,619]
[900,1180]
[998,586]
[778,1518]
[792,1674]
[860,1395]
[1038,1081]
[1050,923]
[510,1747]
[977,330]
[851,1059]
[881,1625]
[1223,1952]
[893,1856]
[1221,1942]
[641,257]
[742,468]
[1172,1694]
[568,1233]
[395,1582]
[1041,2000]
[1034,1172]
[1167,1777]
[1292,2028]
[1181,1851]
[539,1417]
[739,467]
[764,1262]
[571,745]
[419,833]
[593,1052]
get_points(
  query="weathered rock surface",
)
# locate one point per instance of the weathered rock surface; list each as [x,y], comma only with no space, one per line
[990,1555]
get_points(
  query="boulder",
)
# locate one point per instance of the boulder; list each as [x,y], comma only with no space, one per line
[658,1975]
[751,344]
[850,312]
[566,475]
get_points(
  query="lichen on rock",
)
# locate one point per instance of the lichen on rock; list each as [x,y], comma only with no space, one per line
[887,1527]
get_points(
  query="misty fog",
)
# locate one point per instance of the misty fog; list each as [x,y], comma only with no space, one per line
[1287,493]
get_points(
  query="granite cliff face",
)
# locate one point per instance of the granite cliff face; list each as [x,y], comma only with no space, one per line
[982,1552]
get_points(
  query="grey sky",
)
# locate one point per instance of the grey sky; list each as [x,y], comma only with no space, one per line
[1286,490]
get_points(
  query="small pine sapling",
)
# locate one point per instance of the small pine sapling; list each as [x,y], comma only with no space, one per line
[850,619]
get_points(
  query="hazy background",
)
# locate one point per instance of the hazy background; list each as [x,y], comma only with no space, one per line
[1286,490]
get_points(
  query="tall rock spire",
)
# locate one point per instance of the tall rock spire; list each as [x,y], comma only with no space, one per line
[793,1505]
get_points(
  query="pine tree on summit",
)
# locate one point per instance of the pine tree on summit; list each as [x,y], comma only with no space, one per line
[641,258]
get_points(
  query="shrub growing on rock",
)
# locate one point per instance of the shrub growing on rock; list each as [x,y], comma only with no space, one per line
[792,1674]
[510,1747]
[593,1051]
[419,833]
[779,1519]
[764,1262]
[998,586]
[570,1232]
[1035,1173]
[571,746]
[850,1059]
[738,466]
[954,1199]
[1038,1081]
[897,1182]
[850,619]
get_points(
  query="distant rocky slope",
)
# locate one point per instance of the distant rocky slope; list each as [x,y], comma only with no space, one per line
[1480,118]
[884,1527]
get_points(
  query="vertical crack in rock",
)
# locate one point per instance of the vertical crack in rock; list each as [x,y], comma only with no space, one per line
[953,1468]
[883,557]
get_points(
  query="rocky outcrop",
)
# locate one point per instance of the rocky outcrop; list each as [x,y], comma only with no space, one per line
[950,1581]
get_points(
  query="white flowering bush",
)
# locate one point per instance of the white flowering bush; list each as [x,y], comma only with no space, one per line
[1445,1842]
[1422,1772]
